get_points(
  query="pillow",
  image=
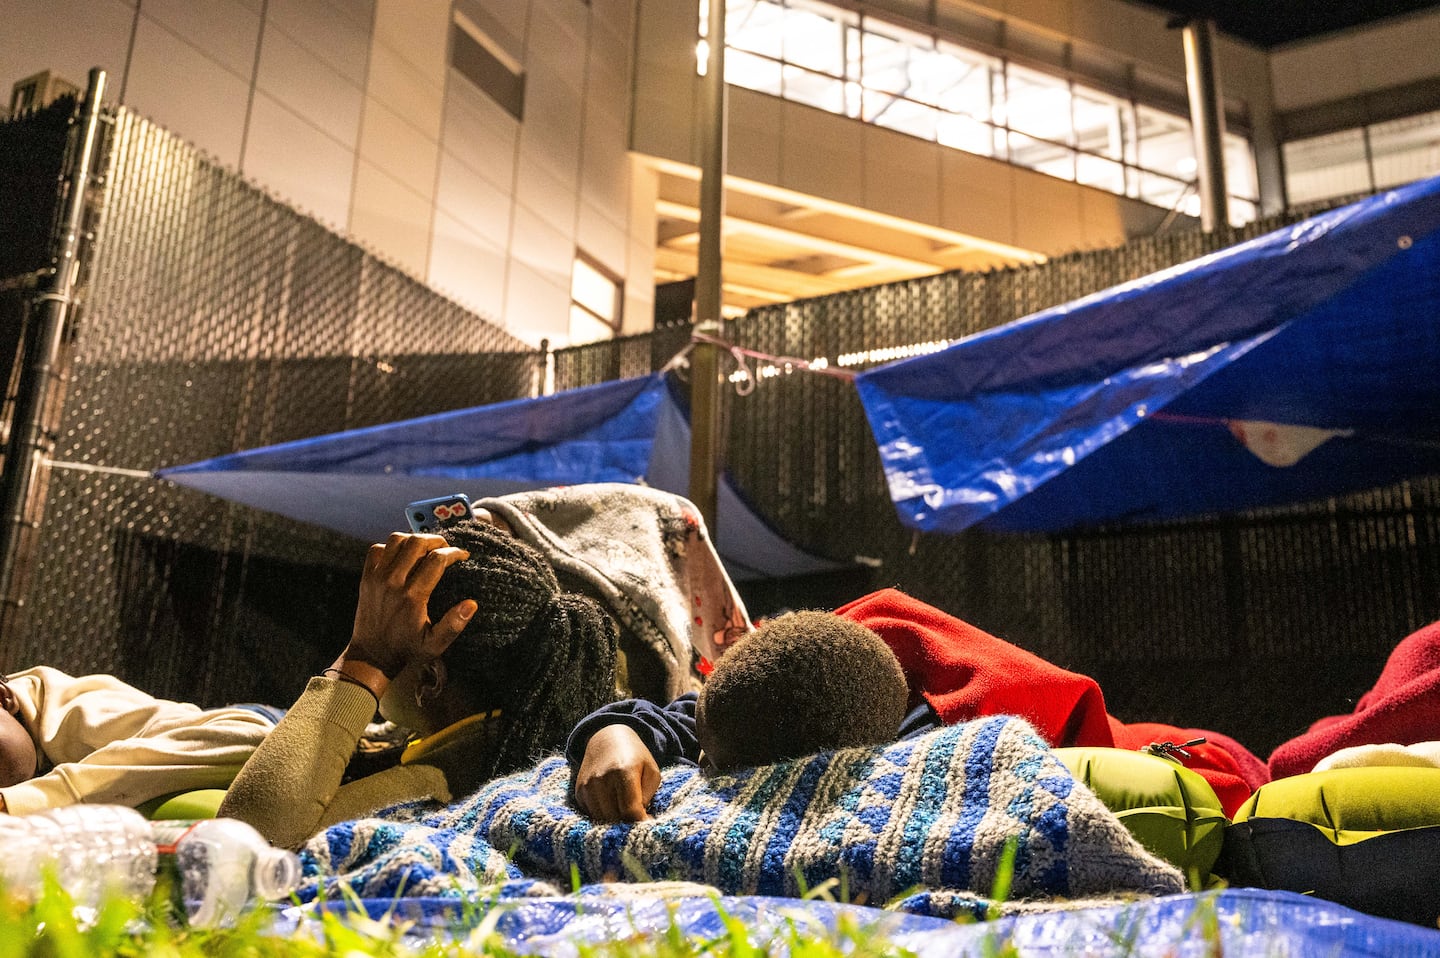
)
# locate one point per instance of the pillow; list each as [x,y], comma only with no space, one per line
[934,813]
[1364,837]
[1170,809]
[196,803]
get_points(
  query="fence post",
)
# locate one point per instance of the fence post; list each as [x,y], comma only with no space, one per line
[705,439]
[41,381]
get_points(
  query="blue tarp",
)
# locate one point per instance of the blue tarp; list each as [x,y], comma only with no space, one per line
[1296,366]
[1233,922]
[358,482]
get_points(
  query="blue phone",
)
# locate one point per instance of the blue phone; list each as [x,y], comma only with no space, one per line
[432,515]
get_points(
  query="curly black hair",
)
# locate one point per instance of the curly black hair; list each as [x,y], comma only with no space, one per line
[544,657]
[802,683]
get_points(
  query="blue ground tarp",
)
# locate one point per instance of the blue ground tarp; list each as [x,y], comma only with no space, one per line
[1296,366]
[358,482]
[1241,922]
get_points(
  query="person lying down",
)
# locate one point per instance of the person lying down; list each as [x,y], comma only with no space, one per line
[801,684]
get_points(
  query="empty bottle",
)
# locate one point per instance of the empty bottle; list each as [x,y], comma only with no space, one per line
[94,850]
[222,865]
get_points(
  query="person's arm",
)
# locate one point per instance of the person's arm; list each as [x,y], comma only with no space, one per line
[668,733]
[102,741]
[289,786]
[203,750]
[615,754]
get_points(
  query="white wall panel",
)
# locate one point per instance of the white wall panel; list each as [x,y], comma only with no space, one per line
[175,84]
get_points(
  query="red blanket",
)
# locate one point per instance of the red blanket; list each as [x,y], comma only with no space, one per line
[964,672]
[1403,707]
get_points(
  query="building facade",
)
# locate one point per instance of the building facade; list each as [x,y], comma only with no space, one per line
[538,160]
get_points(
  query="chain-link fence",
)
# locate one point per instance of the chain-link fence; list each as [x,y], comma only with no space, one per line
[212,319]
[1255,624]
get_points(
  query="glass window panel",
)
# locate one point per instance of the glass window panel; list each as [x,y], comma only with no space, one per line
[1041,155]
[1098,125]
[814,37]
[585,328]
[752,72]
[815,89]
[1038,104]
[1405,150]
[1164,144]
[595,291]
[1242,211]
[1169,193]
[960,81]
[963,133]
[1240,167]
[754,25]
[1100,172]
[1323,167]
[889,57]
[897,113]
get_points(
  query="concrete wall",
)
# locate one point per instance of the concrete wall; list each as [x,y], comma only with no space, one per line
[348,109]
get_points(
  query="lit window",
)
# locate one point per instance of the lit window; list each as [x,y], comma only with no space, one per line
[850,64]
[1405,150]
[754,27]
[594,302]
[814,37]
[753,72]
[1099,127]
[1240,169]
[1038,105]
[1323,167]
[1164,144]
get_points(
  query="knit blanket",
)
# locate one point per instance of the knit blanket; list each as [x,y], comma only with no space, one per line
[922,825]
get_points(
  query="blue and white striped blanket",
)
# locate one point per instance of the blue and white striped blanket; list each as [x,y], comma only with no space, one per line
[921,825]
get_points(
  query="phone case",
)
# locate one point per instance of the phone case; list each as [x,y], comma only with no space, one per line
[431,515]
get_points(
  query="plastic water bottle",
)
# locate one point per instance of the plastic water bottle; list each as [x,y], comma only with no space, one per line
[222,865]
[93,850]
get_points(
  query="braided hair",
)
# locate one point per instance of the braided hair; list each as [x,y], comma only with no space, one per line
[802,683]
[543,657]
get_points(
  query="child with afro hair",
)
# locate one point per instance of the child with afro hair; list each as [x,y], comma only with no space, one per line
[803,683]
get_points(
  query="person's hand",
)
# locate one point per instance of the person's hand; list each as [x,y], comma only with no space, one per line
[392,626]
[618,776]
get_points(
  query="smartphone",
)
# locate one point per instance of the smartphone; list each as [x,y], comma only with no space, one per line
[432,515]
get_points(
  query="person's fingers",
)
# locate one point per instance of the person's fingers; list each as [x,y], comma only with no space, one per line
[430,567]
[597,801]
[448,629]
[373,557]
[409,550]
[629,803]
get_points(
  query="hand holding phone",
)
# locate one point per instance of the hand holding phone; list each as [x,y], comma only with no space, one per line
[432,515]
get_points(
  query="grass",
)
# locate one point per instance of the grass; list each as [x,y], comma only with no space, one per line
[53,927]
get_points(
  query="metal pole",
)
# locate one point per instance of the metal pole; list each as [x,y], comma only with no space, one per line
[26,455]
[1208,120]
[705,439]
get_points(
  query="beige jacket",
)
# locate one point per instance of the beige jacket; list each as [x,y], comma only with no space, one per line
[290,789]
[101,741]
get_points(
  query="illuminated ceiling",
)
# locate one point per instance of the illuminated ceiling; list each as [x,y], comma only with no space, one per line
[781,246]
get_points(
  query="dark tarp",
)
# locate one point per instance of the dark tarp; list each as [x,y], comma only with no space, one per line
[1296,366]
